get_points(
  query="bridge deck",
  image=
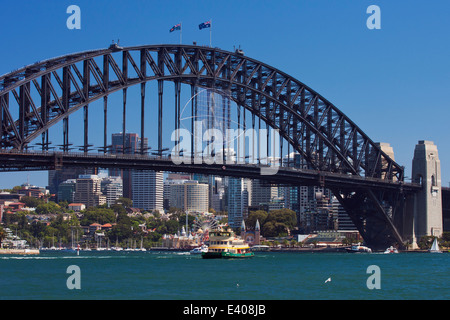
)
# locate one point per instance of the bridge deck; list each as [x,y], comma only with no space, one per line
[26,161]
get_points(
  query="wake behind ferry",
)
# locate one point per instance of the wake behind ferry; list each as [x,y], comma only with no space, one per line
[225,244]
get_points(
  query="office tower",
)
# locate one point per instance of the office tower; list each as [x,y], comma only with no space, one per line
[132,145]
[112,188]
[147,190]
[262,193]
[88,191]
[189,196]
[172,178]
[343,220]
[238,200]
[66,190]
[56,177]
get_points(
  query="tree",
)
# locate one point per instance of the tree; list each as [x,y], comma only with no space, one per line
[46,208]
[122,230]
[31,202]
[273,229]
[259,215]
[125,202]
[97,215]
[425,242]
[2,235]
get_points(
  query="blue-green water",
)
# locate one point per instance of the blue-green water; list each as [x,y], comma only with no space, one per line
[267,276]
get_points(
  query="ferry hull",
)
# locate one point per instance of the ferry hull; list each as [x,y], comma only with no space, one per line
[226,255]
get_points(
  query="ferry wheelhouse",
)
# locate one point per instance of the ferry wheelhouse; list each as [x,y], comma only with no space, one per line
[225,244]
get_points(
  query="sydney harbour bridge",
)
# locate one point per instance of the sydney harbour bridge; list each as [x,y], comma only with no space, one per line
[335,153]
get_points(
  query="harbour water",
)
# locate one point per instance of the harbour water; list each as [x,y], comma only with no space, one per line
[267,276]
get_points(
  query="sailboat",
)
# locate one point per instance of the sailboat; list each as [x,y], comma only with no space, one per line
[435,247]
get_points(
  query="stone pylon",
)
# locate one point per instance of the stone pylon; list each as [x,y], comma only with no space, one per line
[424,209]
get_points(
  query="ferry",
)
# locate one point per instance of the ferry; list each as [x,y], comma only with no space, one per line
[225,245]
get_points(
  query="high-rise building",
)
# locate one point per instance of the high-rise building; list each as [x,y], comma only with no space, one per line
[131,145]
[66,190]
[56,177]
[238,200]
[189,196]
[172,178]
[147,190]
[88,191]
[262,193]
[112,188]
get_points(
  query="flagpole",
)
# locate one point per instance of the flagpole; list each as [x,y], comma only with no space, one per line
[210,33]
[181,31]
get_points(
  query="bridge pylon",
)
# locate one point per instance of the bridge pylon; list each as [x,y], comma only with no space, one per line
[424,208]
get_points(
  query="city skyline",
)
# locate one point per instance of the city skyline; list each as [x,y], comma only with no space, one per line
[382,79]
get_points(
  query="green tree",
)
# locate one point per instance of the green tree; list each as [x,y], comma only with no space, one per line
[425,242]
[2,235]
[97,215]
[47,208]
[125,202]
[259,215]
[31,202]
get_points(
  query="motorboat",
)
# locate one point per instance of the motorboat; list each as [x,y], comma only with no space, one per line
[359,248]
[391,249]
[199,250]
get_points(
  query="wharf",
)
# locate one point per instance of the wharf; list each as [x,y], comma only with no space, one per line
[19,251]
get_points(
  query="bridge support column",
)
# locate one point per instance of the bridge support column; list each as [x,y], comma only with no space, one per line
[424,209]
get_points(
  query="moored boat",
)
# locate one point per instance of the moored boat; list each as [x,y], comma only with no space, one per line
[225,245]
[359,248]
[391,249]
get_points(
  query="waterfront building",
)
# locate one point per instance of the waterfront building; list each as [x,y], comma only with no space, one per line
[88,191]
[251,236]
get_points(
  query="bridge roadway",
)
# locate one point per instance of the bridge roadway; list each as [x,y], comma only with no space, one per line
[28,161]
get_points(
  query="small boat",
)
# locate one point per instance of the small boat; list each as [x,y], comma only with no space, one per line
[199,250]
[391,249]
[225,245]
[435,247]
[359,248]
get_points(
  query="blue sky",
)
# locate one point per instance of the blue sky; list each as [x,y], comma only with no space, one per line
[393,82]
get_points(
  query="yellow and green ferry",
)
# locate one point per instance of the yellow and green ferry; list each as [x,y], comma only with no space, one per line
[225,245]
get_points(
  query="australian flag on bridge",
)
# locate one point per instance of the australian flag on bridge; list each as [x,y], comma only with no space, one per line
[204,25]
[175,27]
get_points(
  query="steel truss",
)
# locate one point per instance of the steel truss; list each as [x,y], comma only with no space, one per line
[325,137]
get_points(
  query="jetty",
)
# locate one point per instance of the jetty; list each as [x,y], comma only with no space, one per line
[19,251]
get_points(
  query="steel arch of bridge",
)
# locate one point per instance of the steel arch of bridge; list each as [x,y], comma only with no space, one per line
[325,137]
